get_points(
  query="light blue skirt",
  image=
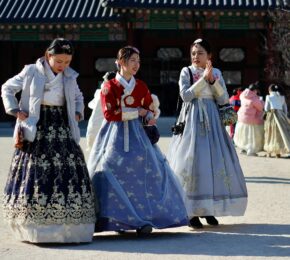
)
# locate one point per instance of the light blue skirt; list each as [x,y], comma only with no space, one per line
[206,163]
[135,187]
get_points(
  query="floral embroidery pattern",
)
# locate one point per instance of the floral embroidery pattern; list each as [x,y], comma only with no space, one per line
[108,106]
[137,186]
[129,100]
[105,91]
[196,76]
[48,181]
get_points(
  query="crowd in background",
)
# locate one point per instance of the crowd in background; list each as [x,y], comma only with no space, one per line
[262,125]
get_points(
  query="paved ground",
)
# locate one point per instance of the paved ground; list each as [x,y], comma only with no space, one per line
[263,233]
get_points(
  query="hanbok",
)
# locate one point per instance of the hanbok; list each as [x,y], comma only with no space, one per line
[48,197]
[203,157]
[134,184]
[277,125]
[249,133]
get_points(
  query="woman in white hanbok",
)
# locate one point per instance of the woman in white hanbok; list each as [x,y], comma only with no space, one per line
[277,124]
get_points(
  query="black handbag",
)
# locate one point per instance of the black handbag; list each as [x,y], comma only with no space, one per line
[152,133]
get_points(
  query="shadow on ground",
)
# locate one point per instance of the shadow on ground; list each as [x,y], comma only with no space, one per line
[267,180]
[267,240]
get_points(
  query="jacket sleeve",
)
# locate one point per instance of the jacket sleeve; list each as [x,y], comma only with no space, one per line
[258,104]
[148,101]
[220,90]
[148,104]
[267,106]
[9,90]
[79,101]
[111,110]
[284,106]
[188,92]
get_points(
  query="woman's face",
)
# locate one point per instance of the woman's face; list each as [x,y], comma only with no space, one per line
[131,66]
[59,62]
[199,56]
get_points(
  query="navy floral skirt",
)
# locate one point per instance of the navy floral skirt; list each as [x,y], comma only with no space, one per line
[48,182]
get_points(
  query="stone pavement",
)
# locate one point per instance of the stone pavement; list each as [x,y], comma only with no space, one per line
[263,233]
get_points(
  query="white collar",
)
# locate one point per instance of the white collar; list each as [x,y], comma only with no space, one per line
[51,79]
[275,93]
[49,73]
[129,86]
[197,68]
[68,72]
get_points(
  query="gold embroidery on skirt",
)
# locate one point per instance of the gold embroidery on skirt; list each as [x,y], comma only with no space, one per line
[75,209]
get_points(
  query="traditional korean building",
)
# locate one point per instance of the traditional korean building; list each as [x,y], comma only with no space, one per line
[240,32]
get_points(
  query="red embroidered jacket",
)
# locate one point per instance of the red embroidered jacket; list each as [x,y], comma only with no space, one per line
[111,95]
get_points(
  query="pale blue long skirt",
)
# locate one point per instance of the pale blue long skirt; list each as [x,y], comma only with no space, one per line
[136,187]
[206,163]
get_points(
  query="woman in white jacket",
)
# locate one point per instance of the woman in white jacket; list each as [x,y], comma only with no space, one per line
[48,196]
[277,125]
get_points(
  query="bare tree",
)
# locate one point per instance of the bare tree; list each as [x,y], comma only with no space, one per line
[277,47]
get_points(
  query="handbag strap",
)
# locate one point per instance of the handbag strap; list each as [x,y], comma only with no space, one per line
[190,76]
[179,99]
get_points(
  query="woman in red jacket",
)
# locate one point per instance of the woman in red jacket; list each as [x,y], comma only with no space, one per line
[134,184]
[236,104]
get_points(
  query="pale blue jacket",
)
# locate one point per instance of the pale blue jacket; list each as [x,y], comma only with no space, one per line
[31,82]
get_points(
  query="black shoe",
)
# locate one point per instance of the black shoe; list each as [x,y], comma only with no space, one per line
[121,231]
[144,231]
[195,222]
[211,220]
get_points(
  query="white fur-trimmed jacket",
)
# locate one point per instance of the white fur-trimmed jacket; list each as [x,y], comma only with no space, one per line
[31,81]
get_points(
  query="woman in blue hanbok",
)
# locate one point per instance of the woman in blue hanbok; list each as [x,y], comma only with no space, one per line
[134,184]
[203,156]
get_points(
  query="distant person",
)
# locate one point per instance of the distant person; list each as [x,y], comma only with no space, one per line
[235,102]
[96,119]
[48,197]
[249,133]
[202,155]
[277,124]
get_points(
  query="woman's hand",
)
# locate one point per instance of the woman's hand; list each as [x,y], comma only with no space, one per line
[77,117]
[208,72]
[142,112]
[152,121]
[21,115]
